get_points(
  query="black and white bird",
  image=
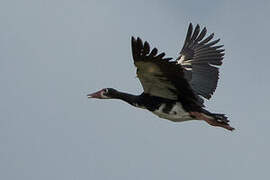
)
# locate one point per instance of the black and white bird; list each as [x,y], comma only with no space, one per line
[174,89]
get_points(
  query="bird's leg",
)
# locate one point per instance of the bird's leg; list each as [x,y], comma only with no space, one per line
[210,120]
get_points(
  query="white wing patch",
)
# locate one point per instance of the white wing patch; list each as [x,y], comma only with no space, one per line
[176,114]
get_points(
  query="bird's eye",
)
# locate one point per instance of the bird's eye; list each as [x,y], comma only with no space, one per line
[106,91]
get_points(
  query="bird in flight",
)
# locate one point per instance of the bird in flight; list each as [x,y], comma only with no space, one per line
[174,89]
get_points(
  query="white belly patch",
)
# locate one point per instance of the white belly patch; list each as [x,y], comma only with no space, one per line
[176,114]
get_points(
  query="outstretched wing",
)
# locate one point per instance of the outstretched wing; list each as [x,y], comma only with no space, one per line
[159,76]
[200,58]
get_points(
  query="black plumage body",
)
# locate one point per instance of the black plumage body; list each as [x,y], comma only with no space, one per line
[165,108]
[152,103]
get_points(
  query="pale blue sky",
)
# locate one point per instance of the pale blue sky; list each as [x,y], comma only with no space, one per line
[54,52]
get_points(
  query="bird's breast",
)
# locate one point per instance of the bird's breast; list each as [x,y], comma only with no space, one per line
[174,112]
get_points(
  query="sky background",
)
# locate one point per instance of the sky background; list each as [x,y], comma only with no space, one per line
[54,52]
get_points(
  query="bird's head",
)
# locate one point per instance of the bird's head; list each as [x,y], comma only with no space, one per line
[106,93]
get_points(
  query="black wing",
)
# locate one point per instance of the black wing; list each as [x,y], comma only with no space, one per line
[161,77]
[197,57]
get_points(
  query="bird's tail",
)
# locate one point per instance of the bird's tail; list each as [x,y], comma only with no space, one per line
[222,121]
[214,119]
[220,117]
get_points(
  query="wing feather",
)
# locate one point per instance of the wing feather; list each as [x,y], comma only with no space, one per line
[161,77]
[199,56]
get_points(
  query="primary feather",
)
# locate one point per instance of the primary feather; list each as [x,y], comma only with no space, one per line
[200,58]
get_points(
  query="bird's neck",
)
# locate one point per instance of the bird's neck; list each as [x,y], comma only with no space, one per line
[129,98]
